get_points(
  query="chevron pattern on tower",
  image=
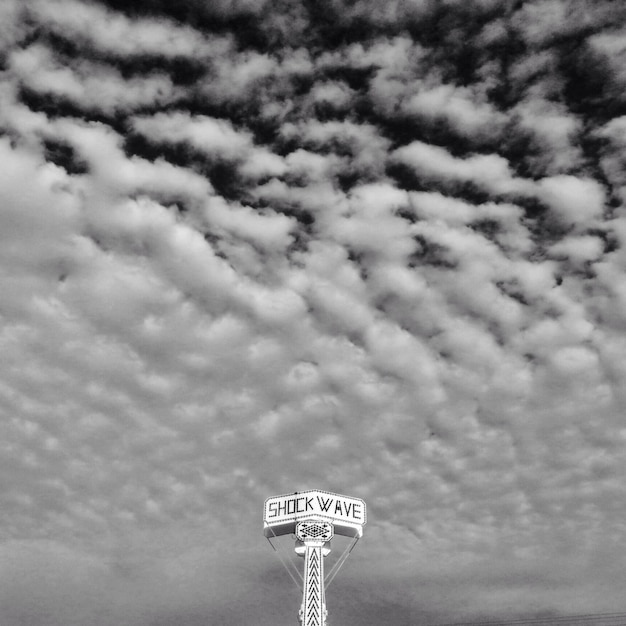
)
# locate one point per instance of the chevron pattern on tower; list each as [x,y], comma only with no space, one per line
[313,609]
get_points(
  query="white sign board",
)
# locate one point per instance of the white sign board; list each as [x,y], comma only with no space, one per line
[314,504]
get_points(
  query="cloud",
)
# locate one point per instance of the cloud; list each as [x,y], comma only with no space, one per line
[458,107]
[556,131]
[490,171]
[34,239]
[371,226]
[611,46]
[544,22]
[579,250]
[117,35]
[334,94]
[12,29]
[214,137]
[251,248]
[573,200]
[362,146]
[253,80]
[87,84]
[614,136]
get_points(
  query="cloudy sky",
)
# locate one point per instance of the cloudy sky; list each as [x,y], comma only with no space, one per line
[249,247]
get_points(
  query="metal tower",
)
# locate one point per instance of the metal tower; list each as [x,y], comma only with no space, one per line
[312,538]
[313,518]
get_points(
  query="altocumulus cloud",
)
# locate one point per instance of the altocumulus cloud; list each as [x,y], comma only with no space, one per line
[249,248]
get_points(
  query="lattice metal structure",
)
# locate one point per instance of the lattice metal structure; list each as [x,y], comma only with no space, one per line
[314,536]
[313,518]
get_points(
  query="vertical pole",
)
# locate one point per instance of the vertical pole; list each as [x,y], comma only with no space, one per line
[313,543]
[313,611]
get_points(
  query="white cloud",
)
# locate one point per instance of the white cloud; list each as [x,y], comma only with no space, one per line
[574,200]
[556,130]
[489,171]
[270,230]
[249,76]
[89,85]
[612,47]
[113,33]
[364,146]
[371,225]
[11,29]
[459,107]
[337,94]
[171,357]
[540,23]
[211,136]
[215,138]
[579,250]
[40,213]
[612,160]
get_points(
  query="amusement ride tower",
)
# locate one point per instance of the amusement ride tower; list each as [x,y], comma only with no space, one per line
[313,518]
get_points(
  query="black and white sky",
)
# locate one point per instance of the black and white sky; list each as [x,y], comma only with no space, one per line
[249,247]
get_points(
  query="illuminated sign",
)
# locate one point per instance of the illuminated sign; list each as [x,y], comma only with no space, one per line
[283,511]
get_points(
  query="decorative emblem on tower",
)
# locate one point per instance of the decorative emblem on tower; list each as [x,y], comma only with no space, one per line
[314,531]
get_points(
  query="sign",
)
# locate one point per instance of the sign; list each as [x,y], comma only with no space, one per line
[302,505]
